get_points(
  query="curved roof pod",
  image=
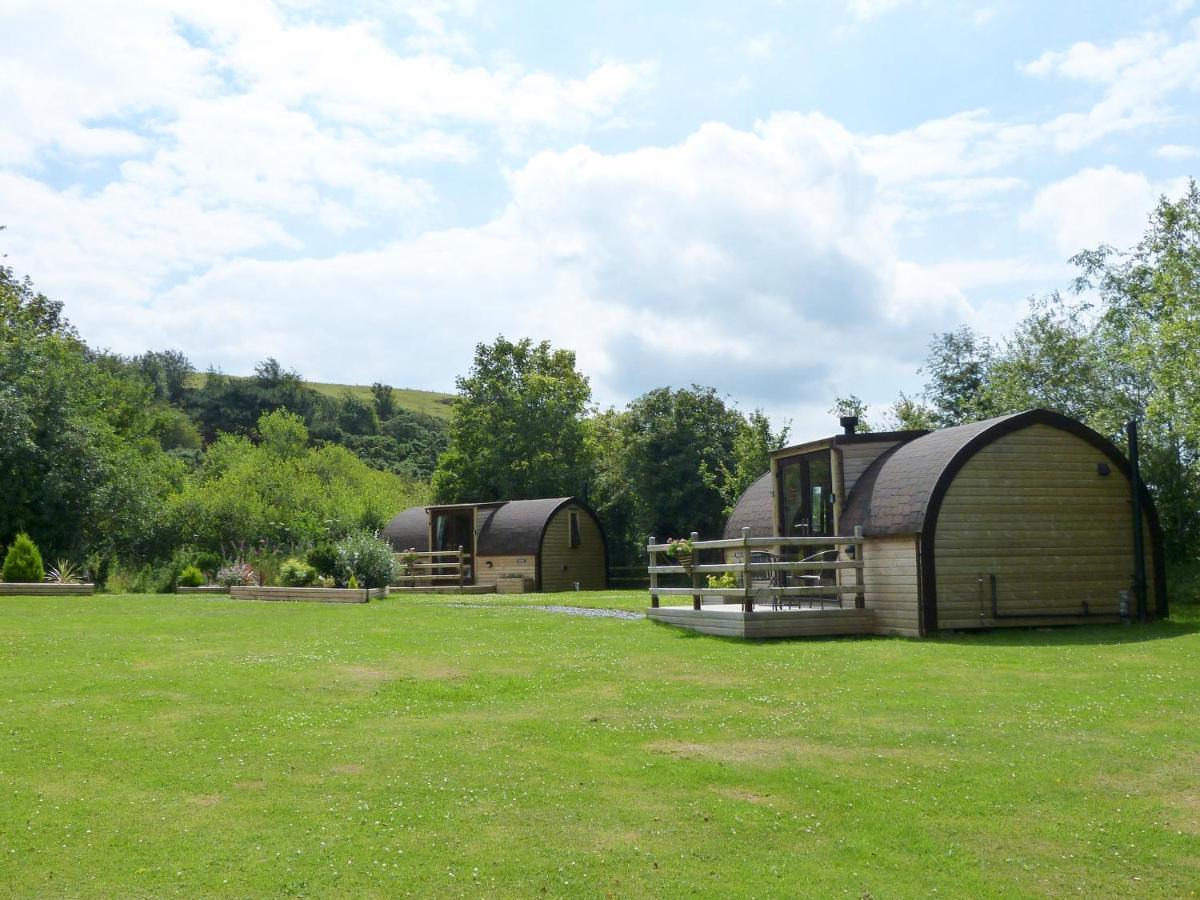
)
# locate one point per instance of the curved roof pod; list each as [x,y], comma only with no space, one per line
[517,527]
[506,528]
[409,530]
[901,492]
[755,509]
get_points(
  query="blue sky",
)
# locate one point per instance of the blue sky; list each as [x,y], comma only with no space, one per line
[782,200]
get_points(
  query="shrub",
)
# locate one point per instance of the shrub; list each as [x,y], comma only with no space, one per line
[23,562]
[236,573]
[323,558]
[724,580]
[63,572]
[366,558]
[296,573]
[352,583]
[191,576]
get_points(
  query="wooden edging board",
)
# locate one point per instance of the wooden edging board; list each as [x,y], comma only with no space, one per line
[43,589]
[204,589]
[313,595]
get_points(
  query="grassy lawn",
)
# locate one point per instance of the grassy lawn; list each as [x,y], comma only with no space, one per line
[154,746]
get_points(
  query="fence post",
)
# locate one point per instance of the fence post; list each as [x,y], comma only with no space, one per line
[697,599]
[860,600]
[653,572]
[747,575]
[461,573]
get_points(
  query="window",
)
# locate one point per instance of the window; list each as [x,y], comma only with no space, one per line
[576,538]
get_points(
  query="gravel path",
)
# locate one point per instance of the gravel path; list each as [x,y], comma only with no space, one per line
[567,610]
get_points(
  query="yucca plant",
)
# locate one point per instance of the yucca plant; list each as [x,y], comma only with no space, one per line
[64,572]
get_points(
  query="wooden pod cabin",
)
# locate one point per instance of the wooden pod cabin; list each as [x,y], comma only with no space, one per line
[1021,520]
[550,544]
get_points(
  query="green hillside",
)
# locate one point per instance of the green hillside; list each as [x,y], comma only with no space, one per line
[431,403]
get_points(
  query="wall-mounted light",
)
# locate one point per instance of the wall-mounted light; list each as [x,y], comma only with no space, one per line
[488,563]
[1102,469]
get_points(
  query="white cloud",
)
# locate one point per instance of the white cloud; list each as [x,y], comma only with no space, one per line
[730,259]
[760,47]
[74,75]
[1140,75]
[1177,151]
[1097,206]
[1086,61]
[868,10]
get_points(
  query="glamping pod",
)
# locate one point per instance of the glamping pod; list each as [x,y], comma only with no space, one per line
[549,544]
[1025,519]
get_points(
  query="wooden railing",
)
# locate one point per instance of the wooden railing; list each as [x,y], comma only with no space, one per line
[432,567]
[747,569]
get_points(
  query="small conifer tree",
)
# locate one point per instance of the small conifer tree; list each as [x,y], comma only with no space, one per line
[23,562]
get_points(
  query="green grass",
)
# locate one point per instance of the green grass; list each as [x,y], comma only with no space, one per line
[155,746]
[432,403]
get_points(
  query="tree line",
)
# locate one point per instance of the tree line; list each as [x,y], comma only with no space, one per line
[136,463]
[1123,343]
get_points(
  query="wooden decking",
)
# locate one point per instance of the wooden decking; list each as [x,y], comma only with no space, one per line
[732,620]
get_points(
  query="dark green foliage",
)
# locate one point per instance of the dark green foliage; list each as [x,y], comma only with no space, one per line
[234,405]
[517,430]
[167,372]
[23,561]
[323,559]
[81,466]
[385,401]
[356,416]
[675,441]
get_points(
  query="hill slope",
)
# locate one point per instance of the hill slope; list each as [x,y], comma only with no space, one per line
[431,403]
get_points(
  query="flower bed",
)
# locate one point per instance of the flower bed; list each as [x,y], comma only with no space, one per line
[316,595]
[42,588]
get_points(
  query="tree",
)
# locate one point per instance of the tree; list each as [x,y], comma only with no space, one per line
[517,429]
[355,415]
[910,414]
[234,405]
[957,366]
[167,372]
[81,465]
[1149,328]
[385,400]
[750,458]
[677,441]
[283,434]
[23,561]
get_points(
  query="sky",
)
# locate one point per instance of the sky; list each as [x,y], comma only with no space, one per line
[784,201]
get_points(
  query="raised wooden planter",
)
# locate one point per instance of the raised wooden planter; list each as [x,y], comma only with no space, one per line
[312,595]
[42,589]
[203,589]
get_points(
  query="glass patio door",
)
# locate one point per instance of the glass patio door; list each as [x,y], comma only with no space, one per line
[806,492]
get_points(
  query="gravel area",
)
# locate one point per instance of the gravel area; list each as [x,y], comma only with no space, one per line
[567,610]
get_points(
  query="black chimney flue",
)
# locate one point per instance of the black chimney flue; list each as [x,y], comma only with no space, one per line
[849,423]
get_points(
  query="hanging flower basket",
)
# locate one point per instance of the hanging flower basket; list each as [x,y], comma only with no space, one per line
[682,551]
